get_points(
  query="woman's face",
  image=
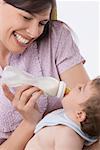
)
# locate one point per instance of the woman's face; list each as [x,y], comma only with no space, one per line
[18,29]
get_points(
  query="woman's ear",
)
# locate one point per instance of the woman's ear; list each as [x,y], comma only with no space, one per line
[81,116]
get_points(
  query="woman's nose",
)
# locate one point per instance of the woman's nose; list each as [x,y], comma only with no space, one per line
[33,30]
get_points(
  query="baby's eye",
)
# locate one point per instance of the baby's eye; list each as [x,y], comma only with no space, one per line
[80,88]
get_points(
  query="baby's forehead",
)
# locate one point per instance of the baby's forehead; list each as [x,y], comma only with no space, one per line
[93,89]
[89,90]
[96,84]
[91,84]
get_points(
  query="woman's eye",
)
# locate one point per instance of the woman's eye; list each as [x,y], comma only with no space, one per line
[27,18]
[43,23]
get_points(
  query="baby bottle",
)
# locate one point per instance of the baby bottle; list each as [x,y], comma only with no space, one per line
[14,77]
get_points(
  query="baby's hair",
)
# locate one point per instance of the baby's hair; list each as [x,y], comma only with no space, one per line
[91,125]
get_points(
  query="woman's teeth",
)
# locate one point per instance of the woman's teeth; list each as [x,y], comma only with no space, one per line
[20,38]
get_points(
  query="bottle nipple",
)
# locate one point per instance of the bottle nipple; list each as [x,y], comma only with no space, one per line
[62,90]
[67,90]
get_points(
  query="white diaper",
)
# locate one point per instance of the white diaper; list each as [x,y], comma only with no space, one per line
[14,77]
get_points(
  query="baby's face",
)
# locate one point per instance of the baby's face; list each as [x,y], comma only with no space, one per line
[77,96]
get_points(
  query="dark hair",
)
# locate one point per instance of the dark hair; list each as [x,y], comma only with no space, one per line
[31,6]
[34,6]
[91,125]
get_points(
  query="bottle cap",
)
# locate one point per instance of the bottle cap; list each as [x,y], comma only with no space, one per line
[61,89]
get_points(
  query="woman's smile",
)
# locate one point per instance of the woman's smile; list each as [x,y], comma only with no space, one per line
[21,40]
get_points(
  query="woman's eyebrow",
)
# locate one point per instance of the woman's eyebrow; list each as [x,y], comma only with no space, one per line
[27,13]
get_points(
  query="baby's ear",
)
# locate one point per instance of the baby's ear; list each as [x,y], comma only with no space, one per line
[81,116]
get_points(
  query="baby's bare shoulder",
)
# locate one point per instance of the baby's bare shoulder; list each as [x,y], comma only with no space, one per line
[67,138]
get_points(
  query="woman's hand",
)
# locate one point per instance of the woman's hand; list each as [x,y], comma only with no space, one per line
[25,102]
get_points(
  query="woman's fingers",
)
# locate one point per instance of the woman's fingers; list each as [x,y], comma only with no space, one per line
[21,90]
[25,102]
[7,92]
[33,100]
[31,112]
[26,95]
[23,95]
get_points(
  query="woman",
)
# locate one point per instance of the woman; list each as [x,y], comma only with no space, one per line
[31,41]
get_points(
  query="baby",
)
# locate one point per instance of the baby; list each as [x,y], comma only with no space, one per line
[74,126]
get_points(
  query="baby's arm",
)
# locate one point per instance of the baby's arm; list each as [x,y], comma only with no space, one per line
[67,138]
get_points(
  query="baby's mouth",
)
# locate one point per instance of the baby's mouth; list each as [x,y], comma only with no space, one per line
[67,91]
[21,39]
